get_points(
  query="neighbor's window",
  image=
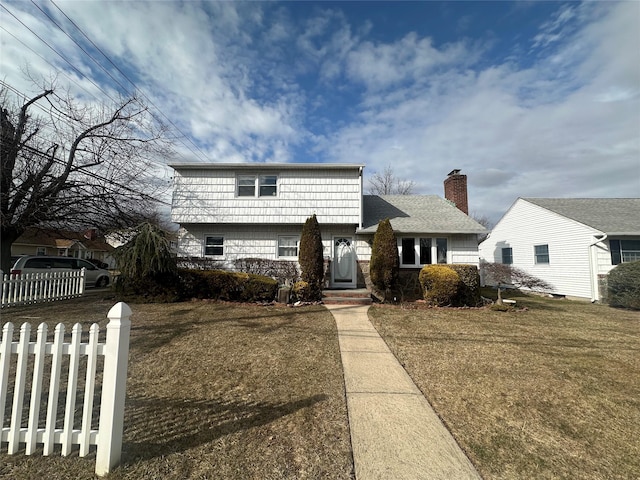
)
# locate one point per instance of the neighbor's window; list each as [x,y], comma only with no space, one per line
[541,253]
[268,185]
[41,251]
[624,251]
[507,255]
[288,246]
[246,186]
[214,245]
[416,252]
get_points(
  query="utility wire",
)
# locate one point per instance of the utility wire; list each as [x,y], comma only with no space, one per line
[147,99]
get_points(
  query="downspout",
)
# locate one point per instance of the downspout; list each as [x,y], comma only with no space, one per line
[361,198]
[593,268]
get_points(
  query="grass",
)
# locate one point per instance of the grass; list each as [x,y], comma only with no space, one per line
[550,392]
[216,391]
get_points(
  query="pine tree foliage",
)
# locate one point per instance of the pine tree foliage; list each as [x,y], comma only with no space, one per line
[310,257]
[385,262]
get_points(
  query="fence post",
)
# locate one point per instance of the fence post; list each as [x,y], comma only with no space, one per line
[113,389]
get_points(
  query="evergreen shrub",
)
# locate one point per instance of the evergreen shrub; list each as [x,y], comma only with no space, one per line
[311,259]
[624,286]
[440,284]
[229,286]
[384,265]
[469,287]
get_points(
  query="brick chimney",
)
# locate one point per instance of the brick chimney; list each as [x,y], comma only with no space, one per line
[455,190]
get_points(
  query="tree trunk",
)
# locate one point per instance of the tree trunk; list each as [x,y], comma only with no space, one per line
[8,237]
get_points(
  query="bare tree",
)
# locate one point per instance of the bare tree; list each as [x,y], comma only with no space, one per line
[386,183]
[66,164]
[503,275]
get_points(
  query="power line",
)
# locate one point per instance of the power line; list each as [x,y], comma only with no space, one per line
[57,53]
[147,99]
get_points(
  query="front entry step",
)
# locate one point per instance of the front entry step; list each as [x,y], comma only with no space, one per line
[357,296]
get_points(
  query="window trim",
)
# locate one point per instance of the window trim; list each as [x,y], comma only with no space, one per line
[297,238]
[434,244]
[221,246]
[538,258]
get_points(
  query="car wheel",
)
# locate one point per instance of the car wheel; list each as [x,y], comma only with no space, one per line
[102,282]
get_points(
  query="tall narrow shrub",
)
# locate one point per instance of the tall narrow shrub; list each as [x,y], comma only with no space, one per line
[385,262]
[310,258]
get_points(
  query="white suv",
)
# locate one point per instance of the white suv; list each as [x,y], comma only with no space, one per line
[93,277]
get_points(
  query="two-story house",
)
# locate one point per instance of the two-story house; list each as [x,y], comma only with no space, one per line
[244,210]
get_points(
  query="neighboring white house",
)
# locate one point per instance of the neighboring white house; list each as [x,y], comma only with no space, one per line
[232,211]
[572,243]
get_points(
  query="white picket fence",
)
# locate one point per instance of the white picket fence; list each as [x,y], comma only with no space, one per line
[41,287]
[36,428]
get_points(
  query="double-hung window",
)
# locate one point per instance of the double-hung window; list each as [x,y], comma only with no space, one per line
[257,185]
[624,251]
[418,251]
[507,255]
[246,185]
[288,246]
[213,245]
[541,253]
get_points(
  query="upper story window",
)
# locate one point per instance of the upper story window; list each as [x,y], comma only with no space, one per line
[541,253]
[624,251]
[507,255]
[257,185]
[246,185]
[415,252]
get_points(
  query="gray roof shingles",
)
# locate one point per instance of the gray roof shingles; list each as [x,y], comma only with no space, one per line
[416,214]
[609,215]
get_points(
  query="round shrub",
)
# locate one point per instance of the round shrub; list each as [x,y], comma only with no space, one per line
[469,289]
[624,286]
[440,284]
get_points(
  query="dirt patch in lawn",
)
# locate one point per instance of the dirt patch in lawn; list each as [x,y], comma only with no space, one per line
[216,390]
[551,392]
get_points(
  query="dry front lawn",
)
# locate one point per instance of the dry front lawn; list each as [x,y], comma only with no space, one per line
[552,392]
[216,391]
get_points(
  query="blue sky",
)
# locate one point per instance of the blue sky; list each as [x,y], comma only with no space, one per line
[532,99]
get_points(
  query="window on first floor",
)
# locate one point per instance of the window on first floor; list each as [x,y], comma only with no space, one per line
[541,253]
[41,251]
[417,251]
[507,255]
[288,246]
[624,251]
[214,245]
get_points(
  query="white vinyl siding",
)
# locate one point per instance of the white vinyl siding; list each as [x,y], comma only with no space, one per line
[212,196]
[526,225]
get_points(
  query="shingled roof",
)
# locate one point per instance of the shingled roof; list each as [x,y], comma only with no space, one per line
[416,214]
[614,216]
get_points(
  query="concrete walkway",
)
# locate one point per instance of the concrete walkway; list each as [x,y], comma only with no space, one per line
[395,434]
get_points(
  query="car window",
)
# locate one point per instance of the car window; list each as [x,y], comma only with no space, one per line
[38,263]
[63,262]
[85,264]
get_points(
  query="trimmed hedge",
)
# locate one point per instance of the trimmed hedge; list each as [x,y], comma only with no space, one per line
[440,284]
[451,285]
[624,286]
[469,287]
[229,286]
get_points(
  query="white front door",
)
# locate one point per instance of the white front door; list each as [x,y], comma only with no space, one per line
[344,262]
